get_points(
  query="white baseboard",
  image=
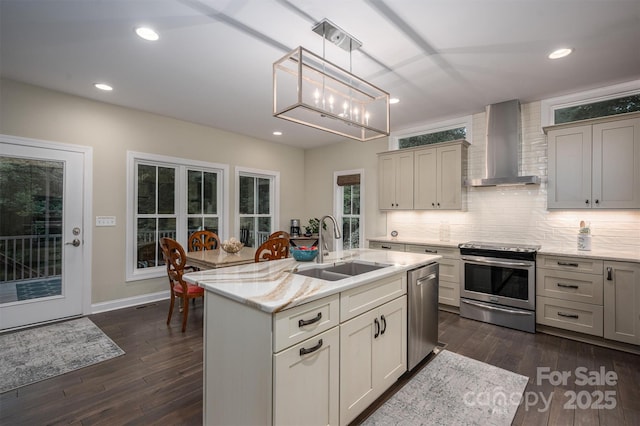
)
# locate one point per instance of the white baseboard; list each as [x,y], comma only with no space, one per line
[128,302]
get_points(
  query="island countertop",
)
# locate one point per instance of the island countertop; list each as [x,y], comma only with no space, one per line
[272,286]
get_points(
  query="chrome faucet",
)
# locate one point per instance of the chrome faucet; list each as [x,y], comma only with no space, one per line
[336,233]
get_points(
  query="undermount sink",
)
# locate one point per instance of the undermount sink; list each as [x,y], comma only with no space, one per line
[341,271]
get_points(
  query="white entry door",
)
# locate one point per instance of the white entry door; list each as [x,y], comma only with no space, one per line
[42,252]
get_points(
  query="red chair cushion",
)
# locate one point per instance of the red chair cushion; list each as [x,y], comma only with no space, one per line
[191,289]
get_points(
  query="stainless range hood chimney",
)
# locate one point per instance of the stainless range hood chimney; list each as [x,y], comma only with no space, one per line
[503,147]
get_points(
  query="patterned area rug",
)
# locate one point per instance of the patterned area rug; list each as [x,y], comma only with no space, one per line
[454,390]
[40,288]
[40,353]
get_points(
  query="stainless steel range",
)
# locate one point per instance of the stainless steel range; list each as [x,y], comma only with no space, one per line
[499,284]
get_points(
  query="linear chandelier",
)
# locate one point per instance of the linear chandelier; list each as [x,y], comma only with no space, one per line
[309,90]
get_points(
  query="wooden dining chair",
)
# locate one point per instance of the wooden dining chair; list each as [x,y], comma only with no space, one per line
[175,258]
[280,234]
[272,249]
[203,240]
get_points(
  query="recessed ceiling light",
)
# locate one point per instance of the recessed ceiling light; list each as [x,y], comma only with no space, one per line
[560,53]
[147,33]
[103,86]
[277,133]
[394,100]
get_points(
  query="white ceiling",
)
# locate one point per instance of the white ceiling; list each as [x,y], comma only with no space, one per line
[213,62]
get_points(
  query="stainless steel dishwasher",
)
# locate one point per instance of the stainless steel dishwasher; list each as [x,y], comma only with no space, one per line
[422,295]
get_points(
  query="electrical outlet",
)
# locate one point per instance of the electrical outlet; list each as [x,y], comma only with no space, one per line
[105,221]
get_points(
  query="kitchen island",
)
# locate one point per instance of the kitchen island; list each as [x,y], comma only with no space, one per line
[284,348]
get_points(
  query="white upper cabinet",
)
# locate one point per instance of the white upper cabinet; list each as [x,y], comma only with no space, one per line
[595,164]
[432,180]
[438,178]
[395,180]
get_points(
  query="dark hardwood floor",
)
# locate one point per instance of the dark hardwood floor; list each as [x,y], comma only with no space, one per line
[159,379]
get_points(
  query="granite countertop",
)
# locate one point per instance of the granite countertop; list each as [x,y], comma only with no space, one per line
[409,240]
[272,287]
[621,255]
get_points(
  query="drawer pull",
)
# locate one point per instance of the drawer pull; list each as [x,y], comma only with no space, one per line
[302,323]
[567,285]
[575,265]
[304,351]
[430,251]
[562,314]
[385,247]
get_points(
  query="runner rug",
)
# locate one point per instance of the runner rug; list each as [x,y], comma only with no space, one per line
[454,390]
[40,353]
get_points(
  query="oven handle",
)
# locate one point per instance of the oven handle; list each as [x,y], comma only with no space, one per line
[493,308]
[496,263]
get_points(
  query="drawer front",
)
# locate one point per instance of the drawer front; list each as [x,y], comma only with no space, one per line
[449,270]
[570,264]
[379,245]
[361,299]
[578,287]
[302,322]
[574,316]
[449,293]
[446,252]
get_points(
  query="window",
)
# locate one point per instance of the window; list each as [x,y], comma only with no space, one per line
[348,212]
[434,137]
[602,102]
[257,198]
[597,109]
[169,197]
[443,131]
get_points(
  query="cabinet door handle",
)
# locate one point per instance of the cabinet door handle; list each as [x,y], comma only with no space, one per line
[304,351]
[384,324]
[438,204]
[586,201]
[597,201]
[433,204]
[574,265]
[562,314]
[609,273]
[377,332]
[567,285]
[302,323]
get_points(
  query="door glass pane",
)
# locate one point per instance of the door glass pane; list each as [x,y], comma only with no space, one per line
[210,193]
[146,189]
[264,195]
[194,185]
[246,195]
[31,200]
[166,190]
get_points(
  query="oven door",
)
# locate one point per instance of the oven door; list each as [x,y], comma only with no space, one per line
[501,281]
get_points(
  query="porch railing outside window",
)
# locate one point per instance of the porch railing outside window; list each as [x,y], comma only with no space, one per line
[30,256]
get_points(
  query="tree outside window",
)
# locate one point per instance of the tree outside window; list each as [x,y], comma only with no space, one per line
[348,208]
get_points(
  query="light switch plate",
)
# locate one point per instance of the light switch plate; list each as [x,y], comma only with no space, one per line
[105,221]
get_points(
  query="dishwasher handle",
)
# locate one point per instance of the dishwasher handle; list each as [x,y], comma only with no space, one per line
[429,277]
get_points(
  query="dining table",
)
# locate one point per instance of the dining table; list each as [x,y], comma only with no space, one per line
[218,258]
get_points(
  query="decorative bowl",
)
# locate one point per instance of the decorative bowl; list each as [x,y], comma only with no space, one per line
[231,246]
[304,254]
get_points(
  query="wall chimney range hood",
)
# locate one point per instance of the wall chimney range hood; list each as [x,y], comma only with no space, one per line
[503,147]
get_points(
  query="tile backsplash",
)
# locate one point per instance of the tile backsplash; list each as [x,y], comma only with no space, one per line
[517,214]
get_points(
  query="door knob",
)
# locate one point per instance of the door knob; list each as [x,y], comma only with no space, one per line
[75,242]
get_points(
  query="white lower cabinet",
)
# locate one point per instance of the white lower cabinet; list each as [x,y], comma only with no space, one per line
[306,382]
[622,302]
[373,355]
